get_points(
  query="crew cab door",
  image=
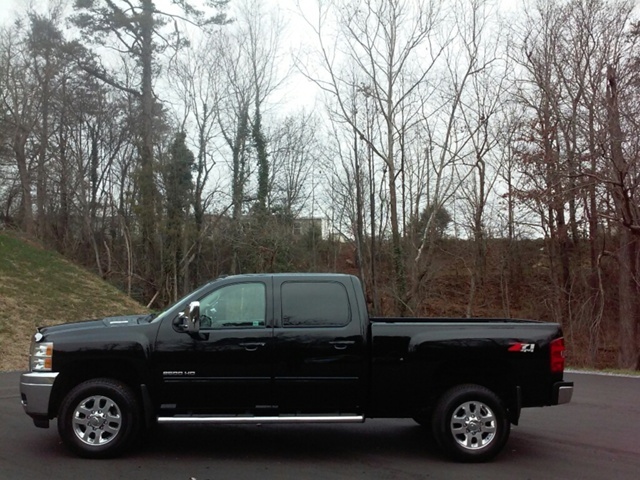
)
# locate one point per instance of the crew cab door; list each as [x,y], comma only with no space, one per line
[227,367]
[319,361]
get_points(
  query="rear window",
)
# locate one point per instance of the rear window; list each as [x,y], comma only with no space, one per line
[315,304]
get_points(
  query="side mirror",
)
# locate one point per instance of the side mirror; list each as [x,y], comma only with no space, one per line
[192,314]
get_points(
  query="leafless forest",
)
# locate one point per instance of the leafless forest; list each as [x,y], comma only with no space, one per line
[424,145]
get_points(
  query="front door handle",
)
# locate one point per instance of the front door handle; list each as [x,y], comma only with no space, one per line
[252,346]
[341,344]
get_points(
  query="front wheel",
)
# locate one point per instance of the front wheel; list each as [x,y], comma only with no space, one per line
[99,418]
[470,424]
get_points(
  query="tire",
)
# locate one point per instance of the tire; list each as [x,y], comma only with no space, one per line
[99,418]
[470,423]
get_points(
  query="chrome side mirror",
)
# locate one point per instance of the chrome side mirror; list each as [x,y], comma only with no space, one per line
[192,314]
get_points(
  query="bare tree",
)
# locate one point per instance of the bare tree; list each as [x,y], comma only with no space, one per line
[294,151]
[623,176]
[456,128]
[481,112]
[196,85]
[19,104]
[576,56]
[248,60]
[135,29]
[385,42]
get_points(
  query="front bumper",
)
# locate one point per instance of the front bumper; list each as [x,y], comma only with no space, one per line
[562,392]
[35,392]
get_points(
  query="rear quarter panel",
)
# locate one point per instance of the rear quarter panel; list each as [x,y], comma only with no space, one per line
[415,360]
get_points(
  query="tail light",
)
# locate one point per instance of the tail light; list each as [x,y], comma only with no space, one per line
[557,355]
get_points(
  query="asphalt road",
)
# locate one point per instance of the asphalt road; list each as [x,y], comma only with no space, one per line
[594,437]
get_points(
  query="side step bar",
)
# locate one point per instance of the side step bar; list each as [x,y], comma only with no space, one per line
[264,420]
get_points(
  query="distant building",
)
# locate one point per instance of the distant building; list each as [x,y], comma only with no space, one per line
[299,226]
[302,226]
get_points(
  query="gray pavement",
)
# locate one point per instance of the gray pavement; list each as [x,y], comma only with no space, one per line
[594,437]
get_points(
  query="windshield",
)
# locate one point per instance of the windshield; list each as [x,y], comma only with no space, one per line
[181,303]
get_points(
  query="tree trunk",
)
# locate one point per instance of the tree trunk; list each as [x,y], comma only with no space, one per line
[146,180]
[19,142]
[628,353]
[628,292]
[398,255]
[41,187]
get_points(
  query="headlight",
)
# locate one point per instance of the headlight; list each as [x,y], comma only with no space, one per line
[41,356]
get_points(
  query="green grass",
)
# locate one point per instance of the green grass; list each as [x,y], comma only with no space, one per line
[39,287]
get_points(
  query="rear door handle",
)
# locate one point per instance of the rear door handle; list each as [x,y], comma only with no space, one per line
[252,346]
[341,344]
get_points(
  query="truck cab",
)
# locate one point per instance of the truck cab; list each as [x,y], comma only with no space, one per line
[265,344]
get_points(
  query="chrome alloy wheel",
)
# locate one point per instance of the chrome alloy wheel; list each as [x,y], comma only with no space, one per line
[473,425]
[96,420]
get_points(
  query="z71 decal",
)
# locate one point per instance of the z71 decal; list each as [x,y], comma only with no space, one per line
[523,347]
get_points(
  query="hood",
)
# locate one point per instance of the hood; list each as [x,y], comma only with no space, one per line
[119,321]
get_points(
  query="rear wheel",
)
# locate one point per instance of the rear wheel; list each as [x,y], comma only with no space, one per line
[470,424]
[99,418]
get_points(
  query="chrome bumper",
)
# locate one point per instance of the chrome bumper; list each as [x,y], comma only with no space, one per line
[562,392]
[35,392]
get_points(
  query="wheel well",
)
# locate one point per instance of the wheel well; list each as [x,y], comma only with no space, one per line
[75,374]
[495,376]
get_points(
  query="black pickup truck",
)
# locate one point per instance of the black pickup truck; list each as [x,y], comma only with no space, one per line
[290,348]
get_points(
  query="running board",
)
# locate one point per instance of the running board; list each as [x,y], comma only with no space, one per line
[264,420]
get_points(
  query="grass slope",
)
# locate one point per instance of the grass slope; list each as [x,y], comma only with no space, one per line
[39,287]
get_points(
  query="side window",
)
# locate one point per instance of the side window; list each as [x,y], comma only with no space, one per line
[315,304]
[234,306]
